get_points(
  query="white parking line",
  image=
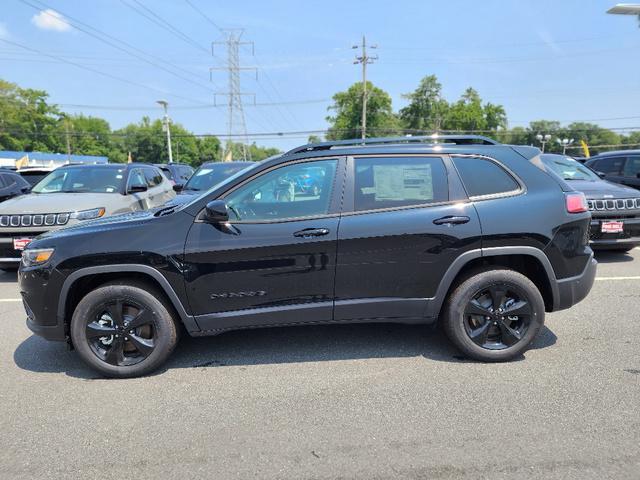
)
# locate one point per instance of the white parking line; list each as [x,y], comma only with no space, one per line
[616,278]
[10,299]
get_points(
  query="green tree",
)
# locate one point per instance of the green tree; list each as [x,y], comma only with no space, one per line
[427,108]
[346,122]
[209,150]
[146,141]
[87,135]
[27,121]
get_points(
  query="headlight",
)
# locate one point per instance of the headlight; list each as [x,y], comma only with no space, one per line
[88,214]
[36,256]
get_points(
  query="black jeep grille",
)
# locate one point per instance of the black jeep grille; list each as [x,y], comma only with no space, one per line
[37,220]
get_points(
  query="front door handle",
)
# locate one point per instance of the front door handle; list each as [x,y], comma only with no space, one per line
[311,232]
[451,220]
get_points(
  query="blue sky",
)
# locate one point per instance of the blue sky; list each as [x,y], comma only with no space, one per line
[553,59]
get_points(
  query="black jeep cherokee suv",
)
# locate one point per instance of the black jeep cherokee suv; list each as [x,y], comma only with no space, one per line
[461,229]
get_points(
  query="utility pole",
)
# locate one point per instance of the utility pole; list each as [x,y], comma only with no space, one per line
[66,130]
[365,60]
[166,121]
[236,124]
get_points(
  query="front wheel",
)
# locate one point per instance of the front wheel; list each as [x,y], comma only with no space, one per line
[494,315]
[123,330]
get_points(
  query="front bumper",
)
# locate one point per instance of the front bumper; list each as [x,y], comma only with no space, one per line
[39,288]
[574,289]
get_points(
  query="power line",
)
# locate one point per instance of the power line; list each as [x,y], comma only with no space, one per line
[204,15]
[190,107]
[128,49]
[162,23]
[99,72]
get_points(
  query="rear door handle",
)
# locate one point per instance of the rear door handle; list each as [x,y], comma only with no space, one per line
[311,232]
[451,220]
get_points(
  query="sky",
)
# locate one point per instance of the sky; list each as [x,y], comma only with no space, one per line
[561,60]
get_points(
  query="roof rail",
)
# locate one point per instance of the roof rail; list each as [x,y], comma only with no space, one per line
[426,139]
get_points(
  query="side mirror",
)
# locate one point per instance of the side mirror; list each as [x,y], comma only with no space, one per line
[178,187]
[216,212]
[601,174]
[137,189]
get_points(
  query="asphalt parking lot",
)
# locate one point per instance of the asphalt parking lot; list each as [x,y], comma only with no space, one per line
[361,401]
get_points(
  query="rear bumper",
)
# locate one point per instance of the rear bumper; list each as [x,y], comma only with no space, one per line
[574,289]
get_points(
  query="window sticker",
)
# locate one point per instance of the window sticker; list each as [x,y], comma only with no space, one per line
[402,182]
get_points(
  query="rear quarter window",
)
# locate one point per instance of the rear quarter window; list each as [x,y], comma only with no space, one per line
[481,176]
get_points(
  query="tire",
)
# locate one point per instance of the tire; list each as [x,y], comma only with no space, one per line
[470,313]
[132,343]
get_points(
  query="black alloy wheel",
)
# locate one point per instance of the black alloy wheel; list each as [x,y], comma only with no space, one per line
[122,333]
[494,314]
[497,317]
[124,330]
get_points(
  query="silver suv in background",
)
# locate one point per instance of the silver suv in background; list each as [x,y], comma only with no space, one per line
[75,193]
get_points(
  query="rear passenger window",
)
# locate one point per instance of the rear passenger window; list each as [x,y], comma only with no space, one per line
[399,182]
[484,177]
[153,177]
[611,166]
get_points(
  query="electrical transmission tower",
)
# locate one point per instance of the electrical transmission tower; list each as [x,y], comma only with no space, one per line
[365,60]
[236,125]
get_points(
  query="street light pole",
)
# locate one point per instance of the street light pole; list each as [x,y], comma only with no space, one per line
[626,9]
[543,139]
[166,121]
[565,142]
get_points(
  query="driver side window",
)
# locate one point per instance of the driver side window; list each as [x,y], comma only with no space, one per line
[298,190]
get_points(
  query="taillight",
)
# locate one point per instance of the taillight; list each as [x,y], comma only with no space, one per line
[576,202]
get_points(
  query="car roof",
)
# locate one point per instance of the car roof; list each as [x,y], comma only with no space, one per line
[615,153]
[211,164]
[172,164]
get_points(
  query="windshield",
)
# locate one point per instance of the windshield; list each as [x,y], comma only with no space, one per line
[208,176]
[570,169]
[82,180]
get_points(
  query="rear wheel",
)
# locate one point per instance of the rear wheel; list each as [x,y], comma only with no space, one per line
[123,330]
[494,315]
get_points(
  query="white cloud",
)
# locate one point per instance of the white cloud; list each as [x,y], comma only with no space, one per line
[50,20]
[4,33]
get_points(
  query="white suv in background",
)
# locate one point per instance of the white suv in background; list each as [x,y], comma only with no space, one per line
[74,193]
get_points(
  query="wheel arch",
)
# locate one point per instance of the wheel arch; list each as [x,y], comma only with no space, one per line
[530,261]
[84,280]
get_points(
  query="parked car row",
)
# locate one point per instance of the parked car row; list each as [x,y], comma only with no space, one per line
[72,194]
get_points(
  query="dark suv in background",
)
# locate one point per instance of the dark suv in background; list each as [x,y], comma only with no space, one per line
[458,228]
[177,173]
[615,208]
[622,167]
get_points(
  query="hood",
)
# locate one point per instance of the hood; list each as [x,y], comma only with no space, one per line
[114,221]
[59,203]
[601,189]
[183,197]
